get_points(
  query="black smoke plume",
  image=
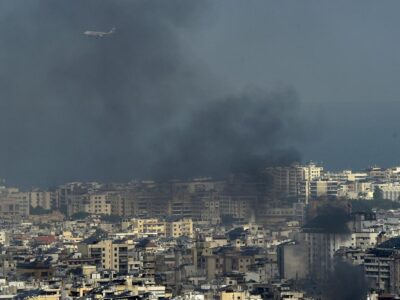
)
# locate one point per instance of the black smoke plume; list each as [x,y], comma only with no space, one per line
[134,104]
[346,282]
[236,134]
[329,219]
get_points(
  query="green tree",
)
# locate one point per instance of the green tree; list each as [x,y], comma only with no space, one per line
[38,211]
[80,216]
[111,218]
[378,194]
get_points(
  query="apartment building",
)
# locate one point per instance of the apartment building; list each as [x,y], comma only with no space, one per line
[286,180]
[14,205]
[39,198]
[145,203]
[323,188]
[98,204]
[149,227]
[237,206]
[390,191]
[75,203]
[183,227]
[113,255]
[211,207]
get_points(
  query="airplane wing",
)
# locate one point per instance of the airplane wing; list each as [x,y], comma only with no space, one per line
[98,33]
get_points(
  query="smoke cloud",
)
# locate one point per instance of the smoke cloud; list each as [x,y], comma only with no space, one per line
[134,104]
[330,219]
[337,285]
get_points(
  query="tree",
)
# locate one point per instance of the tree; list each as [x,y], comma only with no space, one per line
[378,193]
[80,216]
[38,211]
[111,218]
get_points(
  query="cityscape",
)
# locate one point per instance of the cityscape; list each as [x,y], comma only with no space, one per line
[199,150]
[276,237]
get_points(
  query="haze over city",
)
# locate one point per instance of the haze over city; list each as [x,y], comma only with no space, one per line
[199,150]
[136,96]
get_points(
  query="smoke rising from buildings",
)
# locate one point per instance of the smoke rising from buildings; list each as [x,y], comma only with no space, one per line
[235,134]
[135,104]
[346,282]
[329,219]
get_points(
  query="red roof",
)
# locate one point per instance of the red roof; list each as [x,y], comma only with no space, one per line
[45,239]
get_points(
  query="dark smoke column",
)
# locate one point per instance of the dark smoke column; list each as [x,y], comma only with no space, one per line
[132,105]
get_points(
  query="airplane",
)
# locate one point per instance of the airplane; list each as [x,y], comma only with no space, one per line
[99,34]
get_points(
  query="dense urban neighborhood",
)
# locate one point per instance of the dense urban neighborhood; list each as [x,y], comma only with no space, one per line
[291,232]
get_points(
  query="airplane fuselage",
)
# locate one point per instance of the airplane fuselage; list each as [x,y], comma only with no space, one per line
[98,33]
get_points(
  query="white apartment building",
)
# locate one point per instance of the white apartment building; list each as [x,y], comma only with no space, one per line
[356,190]
[346,175]
[286,180]
[390,191]
[317,188]
[364,240]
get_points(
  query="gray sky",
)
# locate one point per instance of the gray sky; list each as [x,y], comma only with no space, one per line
[279,80]
[342,57]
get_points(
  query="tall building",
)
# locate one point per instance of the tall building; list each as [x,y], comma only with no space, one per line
[382,266]
[41,199]
[237,206]
[145,202]
[390,191]
[75,203]
[183,227]
[312,255]
[149,227]
[110,254]
[98,204]
[287,180]
[323,188]
[14,204]
[211,209]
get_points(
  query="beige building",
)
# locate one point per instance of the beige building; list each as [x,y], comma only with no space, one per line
[149,227]
[237,206]
[142,203]
[183,227]
[156,227]
[323,188]
[76,203]
[4,238]
[231,295]
[112,255]
[40,199]
[14,205]
[117,203]
[183,205]
[211,207]
[98,204]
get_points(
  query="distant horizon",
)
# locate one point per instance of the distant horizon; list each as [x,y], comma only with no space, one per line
[185,89]
[3,181]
